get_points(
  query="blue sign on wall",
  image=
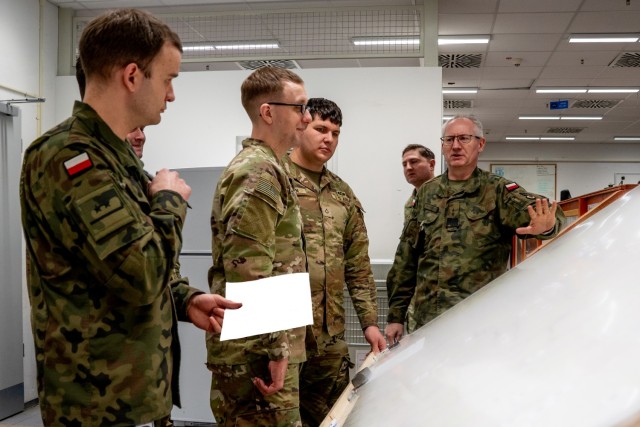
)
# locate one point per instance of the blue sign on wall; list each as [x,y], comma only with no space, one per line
[559,105]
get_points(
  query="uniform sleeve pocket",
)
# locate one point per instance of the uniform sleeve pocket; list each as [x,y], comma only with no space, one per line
[105,214]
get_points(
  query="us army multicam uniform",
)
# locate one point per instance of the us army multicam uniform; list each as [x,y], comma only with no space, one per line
[337,249]
[458,239]
[257,233]
[408,213]
[101,254]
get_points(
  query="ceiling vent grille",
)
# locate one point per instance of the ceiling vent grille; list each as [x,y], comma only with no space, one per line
[460,60]
[595,103]
[278,63]
[626,59]
[564,130]
[457,103]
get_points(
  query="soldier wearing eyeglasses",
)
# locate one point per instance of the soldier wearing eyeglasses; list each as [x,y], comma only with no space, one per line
[459,235]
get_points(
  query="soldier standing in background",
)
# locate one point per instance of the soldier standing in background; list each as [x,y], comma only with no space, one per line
[418,165]
[103,239]
[337,250]
[257,233]
[459,237]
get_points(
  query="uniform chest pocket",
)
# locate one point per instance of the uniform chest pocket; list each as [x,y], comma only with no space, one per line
[482,224]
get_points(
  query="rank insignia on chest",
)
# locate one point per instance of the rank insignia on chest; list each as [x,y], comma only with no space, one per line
[512,186]
[77,164]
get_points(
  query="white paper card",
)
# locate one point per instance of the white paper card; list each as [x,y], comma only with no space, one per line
[268,305]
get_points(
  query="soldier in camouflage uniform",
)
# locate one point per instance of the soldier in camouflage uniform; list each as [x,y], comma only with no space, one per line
[103,239]
[418,164]
[257,233]
[460,232]
[337,249]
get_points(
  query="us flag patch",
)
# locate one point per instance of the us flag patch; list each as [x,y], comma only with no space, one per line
[512,186]
[78,164]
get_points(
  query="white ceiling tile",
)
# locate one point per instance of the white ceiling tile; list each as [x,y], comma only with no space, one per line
[524,42]
[606,22]
[536,23]
[464,23]
[520,6]
[510,58]
[467,6]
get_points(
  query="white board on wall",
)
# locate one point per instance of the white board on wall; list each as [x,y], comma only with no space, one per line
[535,178]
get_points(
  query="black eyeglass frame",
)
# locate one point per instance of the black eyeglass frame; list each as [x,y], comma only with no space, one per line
[303,107]
[454,137]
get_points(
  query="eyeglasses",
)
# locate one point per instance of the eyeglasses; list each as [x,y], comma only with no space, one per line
[464,139]
[303,107]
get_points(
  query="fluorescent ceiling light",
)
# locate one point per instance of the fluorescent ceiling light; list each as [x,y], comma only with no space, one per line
[522,138]
[603,38]
[614,90]
[587,90]
[561,90]
[459,90]
[539,117]
[626,138]
[581,118]
[237,45]
[471,39]
[557,138]
[386,41]
[445,118]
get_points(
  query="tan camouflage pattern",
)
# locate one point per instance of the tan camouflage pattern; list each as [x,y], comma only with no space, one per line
[457,240]
[257,233]
[323,378]
[235,401]
[101,255]
[337,250]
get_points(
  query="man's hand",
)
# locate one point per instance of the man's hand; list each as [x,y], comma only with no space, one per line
[206,311]
[394,332]
[375,338]
[543,218]
[277,370]
[169,180]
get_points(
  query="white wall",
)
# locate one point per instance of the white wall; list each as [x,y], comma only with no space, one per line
[384,109]
[28,48]
[581,168]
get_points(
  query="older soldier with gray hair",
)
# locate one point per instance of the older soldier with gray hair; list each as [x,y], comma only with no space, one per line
[460,232]
[337,248]
[104,239]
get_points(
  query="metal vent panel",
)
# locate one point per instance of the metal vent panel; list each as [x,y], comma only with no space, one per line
[457,103]
[279,63]
[460,60]
[595,103]
[303,33]
[626,59]
[564,130]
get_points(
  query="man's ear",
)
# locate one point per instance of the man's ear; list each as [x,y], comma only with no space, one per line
[131,76]
[265,113]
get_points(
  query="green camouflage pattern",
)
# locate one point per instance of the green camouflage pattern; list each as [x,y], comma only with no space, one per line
[101,254]
[408,213]
[457,240]
[337,249]
[257,233]
[235,401]
[323,378]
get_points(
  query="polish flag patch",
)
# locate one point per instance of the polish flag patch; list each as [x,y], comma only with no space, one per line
[512,186]
[78,164]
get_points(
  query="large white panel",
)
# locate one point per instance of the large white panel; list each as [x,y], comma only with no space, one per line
[553,342]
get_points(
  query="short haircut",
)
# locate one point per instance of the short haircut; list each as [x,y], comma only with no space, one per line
[265,82]
[325,109]
[422,150]
[82,81]
[121,37]
[476,122]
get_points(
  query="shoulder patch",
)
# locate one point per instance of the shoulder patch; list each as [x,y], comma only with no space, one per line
[512,186]
[77,164]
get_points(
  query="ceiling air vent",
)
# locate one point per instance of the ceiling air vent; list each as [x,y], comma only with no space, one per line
[564,130]
[457,103]
[595,103]
[626,59]
[460,60]
[279,63]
